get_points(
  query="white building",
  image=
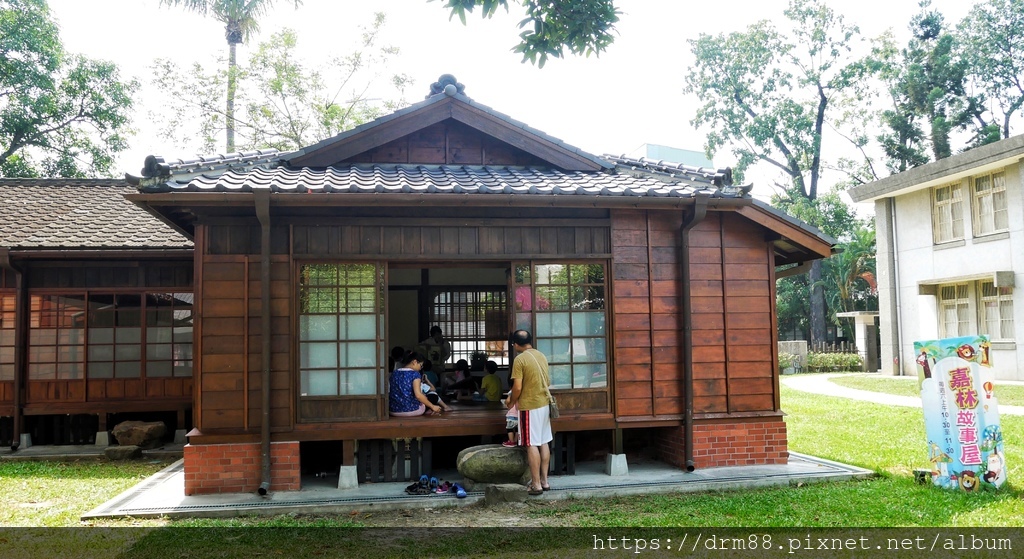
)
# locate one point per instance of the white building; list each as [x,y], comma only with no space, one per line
[950,251]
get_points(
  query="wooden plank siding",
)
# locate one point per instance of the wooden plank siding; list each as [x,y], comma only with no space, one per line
[447,143]
[730,295]
[229,294]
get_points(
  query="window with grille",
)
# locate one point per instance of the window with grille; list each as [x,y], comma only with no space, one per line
[7,321]
[473,320]
[954,317]
[563,304]
[56,337]
[989,203]
[340,329]
[995,311]
[948,217]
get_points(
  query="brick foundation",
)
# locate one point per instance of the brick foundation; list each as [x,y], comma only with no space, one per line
[235,468]
[726,444]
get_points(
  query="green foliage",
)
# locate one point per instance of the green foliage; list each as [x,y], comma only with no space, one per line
[848,277]
[991,41]
[283,103]
[241,20]
[787,360]
[818,362]
[240,17]
[767,93]
[63,115]
[552,26]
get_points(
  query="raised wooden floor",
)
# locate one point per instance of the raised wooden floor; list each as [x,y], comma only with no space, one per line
[464,419]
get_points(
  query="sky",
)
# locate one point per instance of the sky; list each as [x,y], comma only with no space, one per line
[630,95]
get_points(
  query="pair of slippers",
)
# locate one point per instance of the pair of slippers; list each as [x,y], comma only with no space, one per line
[535,492]
[430,485]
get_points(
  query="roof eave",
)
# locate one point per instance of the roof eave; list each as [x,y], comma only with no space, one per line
[936,173]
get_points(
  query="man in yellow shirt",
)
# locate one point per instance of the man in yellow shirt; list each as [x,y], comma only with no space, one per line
[530,381]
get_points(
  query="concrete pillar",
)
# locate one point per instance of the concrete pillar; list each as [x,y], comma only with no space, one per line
[615,465]
[347,478]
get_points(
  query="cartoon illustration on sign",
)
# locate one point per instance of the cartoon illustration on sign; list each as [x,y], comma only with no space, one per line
[961,412]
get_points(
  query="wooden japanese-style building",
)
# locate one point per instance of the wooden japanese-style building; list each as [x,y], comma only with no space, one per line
[95,313]
[649,286]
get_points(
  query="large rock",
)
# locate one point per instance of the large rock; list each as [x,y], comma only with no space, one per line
[493,463]
[142,434]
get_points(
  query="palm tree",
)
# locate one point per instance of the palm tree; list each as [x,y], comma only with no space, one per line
[849,276]
[240,19]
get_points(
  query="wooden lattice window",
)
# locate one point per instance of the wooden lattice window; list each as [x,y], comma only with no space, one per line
[340,326]
[7,329]
[564,306]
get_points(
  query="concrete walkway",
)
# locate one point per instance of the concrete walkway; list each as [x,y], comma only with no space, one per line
[163,494]
[822,384]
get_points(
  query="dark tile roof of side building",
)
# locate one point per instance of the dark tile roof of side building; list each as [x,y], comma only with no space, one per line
[90,214]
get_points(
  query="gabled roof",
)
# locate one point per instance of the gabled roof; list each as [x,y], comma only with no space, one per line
[446,102]
[339,172]
[953,168]
[91,214]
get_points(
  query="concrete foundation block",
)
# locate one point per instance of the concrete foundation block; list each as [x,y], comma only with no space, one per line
[25,441]
[179,437]
[615,465]
[102,438]
[348,478]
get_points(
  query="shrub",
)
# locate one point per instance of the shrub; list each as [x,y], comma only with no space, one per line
[786,360]
[833,362]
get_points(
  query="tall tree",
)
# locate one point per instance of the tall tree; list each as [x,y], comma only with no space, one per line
[991,40]
[282,102]
[552,26]
[241,20]
[933,82]
[72,111]
[767,96]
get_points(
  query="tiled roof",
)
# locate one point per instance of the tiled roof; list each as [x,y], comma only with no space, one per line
[79,213]
[447,179]
[156,166]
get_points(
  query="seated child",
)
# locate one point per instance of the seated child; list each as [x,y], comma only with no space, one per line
[431,393]
[490,385]
[511,426]
[464,384]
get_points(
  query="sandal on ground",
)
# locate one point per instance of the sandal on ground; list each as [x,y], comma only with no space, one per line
[545,488]
[535,492]
[460,493]
[417,489]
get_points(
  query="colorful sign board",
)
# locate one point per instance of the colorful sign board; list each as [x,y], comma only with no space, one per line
[961,413]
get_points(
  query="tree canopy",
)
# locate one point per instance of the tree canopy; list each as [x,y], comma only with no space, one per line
[241,20]
[60,114]
[283,103]
[553,26]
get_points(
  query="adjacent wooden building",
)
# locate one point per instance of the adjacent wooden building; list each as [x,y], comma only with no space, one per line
[95,313]
[649,285]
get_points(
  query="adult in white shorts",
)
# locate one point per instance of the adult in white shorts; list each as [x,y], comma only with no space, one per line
[530,381]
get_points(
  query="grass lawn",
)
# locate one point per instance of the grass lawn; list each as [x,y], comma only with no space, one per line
[1008,394]
[888,440]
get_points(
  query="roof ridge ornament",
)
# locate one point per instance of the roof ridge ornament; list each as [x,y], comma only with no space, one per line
[448,85]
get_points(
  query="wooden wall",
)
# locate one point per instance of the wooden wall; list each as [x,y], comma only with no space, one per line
[447,143]
[731,295]
[228,295]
